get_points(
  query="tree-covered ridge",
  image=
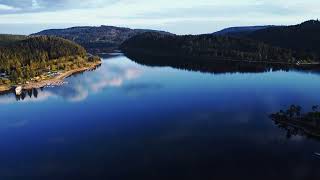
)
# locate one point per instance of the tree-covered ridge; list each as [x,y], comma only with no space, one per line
[208,46]
[303,38]
[96,39]
[40,48]
[25,59]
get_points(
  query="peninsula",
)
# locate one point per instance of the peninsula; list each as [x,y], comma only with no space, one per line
[37,61]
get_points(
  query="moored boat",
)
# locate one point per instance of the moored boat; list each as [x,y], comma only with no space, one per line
[18,90]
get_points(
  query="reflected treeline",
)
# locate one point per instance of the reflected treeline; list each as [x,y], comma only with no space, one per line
[295,122]
[31,93]
[34,93]
[214,66]
[95,68]
[110,55]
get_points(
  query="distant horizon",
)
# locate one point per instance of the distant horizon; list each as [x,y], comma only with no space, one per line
[27,29]
[179,17]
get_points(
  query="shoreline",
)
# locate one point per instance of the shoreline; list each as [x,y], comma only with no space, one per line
[54,80]
[213,58]
[4,88]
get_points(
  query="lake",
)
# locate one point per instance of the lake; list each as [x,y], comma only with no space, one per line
[130,121]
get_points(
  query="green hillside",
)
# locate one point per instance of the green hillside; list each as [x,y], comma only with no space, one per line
[22,58]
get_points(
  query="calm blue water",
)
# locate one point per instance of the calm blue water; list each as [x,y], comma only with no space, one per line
[128,121]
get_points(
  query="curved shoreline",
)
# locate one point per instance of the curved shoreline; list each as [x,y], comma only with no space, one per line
[54,80]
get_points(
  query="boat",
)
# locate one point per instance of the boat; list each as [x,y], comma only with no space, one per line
[18,90]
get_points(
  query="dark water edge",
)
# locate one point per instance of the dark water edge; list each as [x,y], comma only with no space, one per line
[216,66]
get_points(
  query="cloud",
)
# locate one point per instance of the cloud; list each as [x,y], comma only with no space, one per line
[29,6]
[117,80]
[35,4]
[6,7]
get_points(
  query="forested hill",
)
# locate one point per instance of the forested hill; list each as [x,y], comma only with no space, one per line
[97,39]
[38,48]
[22,59]
[209,47]
[304,37]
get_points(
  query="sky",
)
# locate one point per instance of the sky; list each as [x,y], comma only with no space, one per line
[176,16]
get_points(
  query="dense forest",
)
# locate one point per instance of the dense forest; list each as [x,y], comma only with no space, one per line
[303,38]
[209,47]
[22,58]
[286,44]
[97,39]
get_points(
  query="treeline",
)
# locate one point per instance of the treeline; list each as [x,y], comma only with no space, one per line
[208,46]
[303,38]
[27,58]
[205,66]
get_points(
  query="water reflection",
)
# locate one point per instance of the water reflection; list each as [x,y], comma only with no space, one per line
[31,93]
[114,75]
[110,55]
[183,125]
[215,67]
[80,85]
[297,123]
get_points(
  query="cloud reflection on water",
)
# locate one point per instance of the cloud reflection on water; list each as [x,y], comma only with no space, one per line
[79,87]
